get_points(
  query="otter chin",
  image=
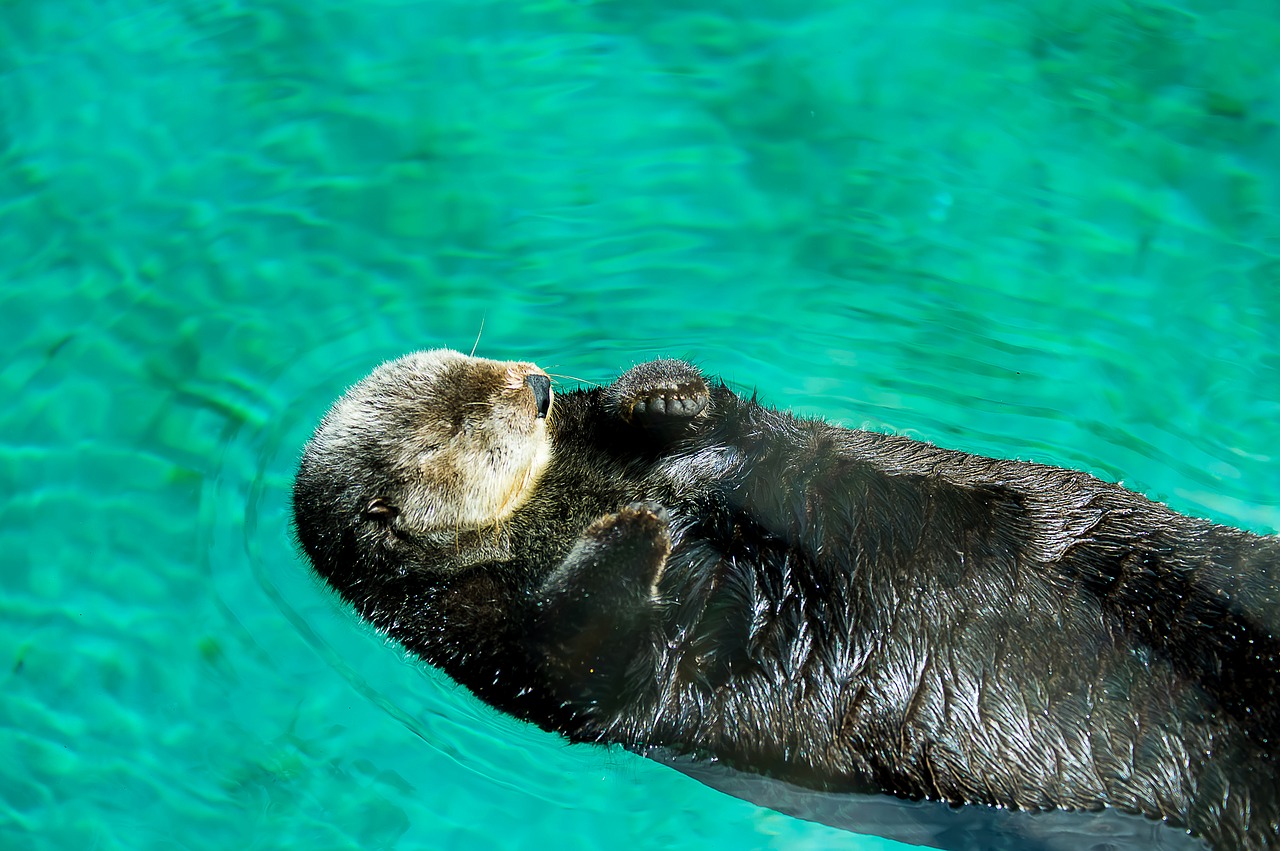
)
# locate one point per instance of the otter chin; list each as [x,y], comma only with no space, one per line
[661,563]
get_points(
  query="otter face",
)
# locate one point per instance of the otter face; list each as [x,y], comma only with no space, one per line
[434,441]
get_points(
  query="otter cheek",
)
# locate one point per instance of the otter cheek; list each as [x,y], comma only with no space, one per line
[524,464]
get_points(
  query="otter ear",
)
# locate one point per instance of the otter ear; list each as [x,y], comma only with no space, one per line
[380,509]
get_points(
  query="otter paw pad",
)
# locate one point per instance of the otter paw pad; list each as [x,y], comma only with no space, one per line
[687,400]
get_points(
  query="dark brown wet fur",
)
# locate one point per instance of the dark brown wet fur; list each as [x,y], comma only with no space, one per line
[844,610]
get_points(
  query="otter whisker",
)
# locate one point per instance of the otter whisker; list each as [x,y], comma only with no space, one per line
[573,378]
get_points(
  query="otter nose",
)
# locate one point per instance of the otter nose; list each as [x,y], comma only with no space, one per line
[541,387]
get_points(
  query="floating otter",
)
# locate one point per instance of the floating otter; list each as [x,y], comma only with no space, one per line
[663,563]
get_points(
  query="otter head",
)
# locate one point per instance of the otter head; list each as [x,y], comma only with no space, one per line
[427,446]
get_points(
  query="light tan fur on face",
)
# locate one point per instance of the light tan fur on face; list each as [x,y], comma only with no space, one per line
[456,440]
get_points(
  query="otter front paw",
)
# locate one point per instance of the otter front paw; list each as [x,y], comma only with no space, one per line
[595,612]
[617,561]
[660,392]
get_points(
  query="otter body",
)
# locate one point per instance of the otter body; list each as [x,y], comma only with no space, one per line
[663,563]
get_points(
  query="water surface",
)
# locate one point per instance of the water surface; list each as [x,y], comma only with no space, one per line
[1047,231]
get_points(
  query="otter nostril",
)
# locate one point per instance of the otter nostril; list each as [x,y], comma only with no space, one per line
[541,387]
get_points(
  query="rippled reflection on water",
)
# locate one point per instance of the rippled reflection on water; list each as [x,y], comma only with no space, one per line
[1034,230]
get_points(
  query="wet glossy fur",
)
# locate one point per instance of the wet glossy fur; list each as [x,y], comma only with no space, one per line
[846,610]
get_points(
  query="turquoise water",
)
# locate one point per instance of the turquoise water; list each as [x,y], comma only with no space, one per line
[1048,231]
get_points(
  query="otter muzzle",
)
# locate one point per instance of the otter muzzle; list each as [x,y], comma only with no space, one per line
[541,387]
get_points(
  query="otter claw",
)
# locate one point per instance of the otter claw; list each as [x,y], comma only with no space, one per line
[648,506]
[681,403]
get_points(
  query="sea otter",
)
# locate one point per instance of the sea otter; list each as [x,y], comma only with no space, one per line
[664,563]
